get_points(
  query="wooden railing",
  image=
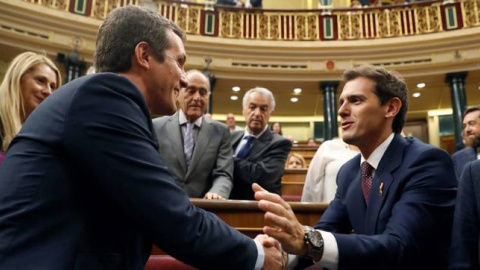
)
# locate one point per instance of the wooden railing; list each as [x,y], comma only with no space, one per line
[246,217]
[308,25]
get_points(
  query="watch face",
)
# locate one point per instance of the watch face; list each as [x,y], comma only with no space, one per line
[315,238]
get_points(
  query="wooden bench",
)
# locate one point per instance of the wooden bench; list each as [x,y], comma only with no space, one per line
[293,181]
[246,217]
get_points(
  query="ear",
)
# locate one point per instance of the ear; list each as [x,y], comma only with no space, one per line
[393,107]
[141,55]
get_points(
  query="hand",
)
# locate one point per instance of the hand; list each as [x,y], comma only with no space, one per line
[273,257]
[284,224]
[268,241]
[213,196]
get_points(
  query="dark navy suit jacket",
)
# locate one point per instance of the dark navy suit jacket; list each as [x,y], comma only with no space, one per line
[462,157]
[264,164]
[408,222]
[83,187]
[466,225]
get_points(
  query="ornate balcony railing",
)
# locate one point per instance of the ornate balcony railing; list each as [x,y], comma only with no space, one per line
[301,25]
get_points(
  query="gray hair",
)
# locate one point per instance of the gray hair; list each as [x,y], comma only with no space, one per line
[263,91]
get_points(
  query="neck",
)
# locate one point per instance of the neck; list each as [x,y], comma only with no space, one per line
[369,147]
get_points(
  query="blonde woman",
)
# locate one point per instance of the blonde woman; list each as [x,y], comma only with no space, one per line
[296,161]
[30,78]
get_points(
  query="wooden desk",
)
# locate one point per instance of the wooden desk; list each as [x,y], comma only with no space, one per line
[294,175]
[248,219]
[293,181]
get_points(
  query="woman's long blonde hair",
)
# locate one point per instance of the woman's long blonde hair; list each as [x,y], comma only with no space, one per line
[11,97]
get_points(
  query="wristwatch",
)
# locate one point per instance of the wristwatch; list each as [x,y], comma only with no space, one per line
[314,243]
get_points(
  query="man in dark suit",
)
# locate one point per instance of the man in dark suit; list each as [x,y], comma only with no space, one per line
[465,252]
[259,154]
[471,127]
[203,169]
[394,204]
[83,185]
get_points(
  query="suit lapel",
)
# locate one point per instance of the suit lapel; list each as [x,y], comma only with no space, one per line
[201,143]
[354,196]
[260,143]
[382,181]
[235,139]
[174,131]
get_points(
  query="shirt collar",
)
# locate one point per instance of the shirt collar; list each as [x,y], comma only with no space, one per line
[247,132]
[183,119]
[377,154]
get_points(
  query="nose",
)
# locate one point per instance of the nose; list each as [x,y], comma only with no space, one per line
[47,90]
[468,128]
[343,110]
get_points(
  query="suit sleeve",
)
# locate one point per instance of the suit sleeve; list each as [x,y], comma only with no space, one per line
[108,131]
[223,170]
[266,169]
[466,227]
[418,223]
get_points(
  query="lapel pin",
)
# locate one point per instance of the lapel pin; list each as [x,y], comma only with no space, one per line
[380,189]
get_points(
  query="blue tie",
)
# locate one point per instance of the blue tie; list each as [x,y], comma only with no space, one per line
[243,152]
[189,143]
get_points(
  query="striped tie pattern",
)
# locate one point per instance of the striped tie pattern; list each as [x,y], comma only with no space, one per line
[367,180]
[189,143]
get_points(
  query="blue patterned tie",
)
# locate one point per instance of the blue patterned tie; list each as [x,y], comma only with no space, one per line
[243,152]
[189,143]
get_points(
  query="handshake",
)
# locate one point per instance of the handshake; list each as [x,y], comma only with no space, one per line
[284,234]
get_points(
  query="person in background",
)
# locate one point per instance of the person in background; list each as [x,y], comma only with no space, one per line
[259,154]
[83,185]
[311,142]
[231,123]
[465,250]
[276,128]
[471,130]
[321,180]
[200,156]
[394,204]
[296,161]
[30,78]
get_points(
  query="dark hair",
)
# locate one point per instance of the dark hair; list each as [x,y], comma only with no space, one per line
[471,109]
[388,84]
[123,29]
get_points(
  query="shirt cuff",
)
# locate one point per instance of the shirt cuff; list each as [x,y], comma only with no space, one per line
[260,257]
[330,251]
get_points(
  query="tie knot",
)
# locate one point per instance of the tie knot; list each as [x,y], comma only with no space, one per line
[249,138]
[367,168]
[190,126]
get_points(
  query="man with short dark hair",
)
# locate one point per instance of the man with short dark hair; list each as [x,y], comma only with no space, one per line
[83,186]
[471,128]
[394,204]
[200,157]
[259,154]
